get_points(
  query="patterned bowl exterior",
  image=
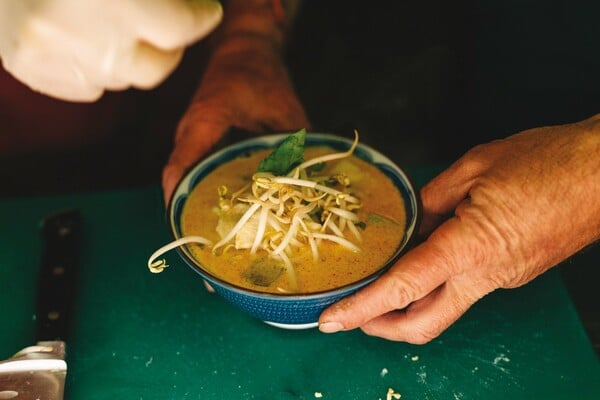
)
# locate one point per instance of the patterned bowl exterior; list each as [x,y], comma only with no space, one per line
[293,311]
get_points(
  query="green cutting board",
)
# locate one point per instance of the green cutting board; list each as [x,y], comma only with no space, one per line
[137,335]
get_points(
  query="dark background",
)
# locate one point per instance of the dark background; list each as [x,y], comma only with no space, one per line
[437,77]
[424,80]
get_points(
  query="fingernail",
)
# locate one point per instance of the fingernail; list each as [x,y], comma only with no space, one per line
[330,327]
[208,287]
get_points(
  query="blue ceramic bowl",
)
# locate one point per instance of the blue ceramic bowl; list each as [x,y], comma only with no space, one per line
[291,311]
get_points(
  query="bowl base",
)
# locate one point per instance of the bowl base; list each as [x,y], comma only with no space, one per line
[292,326]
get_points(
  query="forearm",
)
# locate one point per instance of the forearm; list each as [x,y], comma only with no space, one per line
[248,21]
[247,46]
[244,84]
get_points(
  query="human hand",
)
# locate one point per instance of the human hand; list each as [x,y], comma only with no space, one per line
[246,86]
[75,50]
[521,205]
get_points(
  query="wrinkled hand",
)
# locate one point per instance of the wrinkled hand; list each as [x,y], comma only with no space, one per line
[521,205]
[246,86]
[75,50]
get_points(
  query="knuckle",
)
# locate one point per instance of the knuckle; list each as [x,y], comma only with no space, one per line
[425,334]
[424,330]
[421,338]
[402,291]
[400,333]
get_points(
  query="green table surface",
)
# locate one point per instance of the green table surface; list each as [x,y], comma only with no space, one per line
[138,335]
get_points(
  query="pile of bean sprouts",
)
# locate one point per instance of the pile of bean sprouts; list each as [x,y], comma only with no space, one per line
[286,207]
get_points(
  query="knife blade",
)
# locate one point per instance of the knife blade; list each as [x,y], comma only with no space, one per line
[39,371]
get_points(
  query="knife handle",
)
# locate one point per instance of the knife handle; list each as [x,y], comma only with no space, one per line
[57,276]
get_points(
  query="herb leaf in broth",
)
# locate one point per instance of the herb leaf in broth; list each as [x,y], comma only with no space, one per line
[263,271]
[317,167]
[380,219]
[289,154]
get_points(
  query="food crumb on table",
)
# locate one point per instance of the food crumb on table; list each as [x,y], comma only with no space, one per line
[384,372]
[415,358]
[391,394]
[318,395]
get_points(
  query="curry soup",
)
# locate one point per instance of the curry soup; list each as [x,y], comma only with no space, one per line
[381,215]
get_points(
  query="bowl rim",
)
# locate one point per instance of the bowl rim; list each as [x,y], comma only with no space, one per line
[269,141]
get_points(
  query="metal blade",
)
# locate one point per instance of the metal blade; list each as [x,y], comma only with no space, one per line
[35,373]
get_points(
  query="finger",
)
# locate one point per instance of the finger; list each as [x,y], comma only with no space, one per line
[445,191]
[427,318]
[173,24]
[208,287]
[289,118]
[289,123]
[45,72]
[442,194]
[275,106]
[414,276]
[63,86]
[146,66]
[198,131]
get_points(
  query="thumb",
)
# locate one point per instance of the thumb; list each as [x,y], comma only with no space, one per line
[414,276]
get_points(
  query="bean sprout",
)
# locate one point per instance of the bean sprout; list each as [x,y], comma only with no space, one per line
[284,212]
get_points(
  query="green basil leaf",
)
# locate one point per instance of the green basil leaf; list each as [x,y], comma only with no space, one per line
[286,156]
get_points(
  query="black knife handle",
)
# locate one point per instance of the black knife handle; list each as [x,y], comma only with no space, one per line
[58,273]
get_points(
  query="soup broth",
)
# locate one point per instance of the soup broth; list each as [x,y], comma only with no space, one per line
[382,222]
